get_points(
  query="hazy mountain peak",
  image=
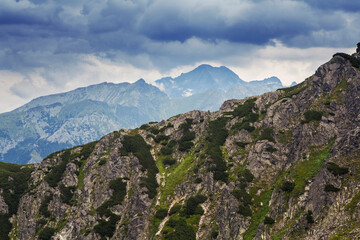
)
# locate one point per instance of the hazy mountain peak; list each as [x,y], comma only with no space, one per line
[199,80]
[140,81]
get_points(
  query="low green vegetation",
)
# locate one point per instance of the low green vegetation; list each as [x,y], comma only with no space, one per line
[270,149]
[58,170]
[351,206]
[43,210]
[287,186]
[269,221]
[175,209]
[141,150]
[5,226]
[336,170]
[119,192]
[245,200]
[306,170]
[102,161]
[294,90]
[161,138]
[169,161]
[106,228]
[13,183]
[267,134]
[176,176]
[46,233]
[161,213]
[241,144]
[185,142]
[261,209]
[184,221]
[245,111]
[285,136]
[309,217]
[331,188]
[67,193]
[165,150]
[177,229]
[312,115]
[216,137]
[192,206]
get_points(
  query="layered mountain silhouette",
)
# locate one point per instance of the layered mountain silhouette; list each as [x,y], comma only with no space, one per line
[50,123]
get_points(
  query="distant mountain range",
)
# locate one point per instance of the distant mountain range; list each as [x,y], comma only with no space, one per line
[50,123]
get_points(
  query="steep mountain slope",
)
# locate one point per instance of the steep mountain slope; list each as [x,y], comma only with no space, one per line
[54,122]
[283,165]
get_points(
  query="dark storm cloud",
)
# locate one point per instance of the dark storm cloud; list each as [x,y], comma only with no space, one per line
[130,27]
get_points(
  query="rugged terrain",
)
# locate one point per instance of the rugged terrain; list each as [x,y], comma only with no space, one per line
[50,123]
[283,165]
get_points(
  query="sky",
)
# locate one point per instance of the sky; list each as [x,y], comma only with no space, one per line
[51,46]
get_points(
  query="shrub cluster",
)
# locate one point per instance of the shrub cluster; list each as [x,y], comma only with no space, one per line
[181,230]
[242,144]
[287,186]
[185,142]
[141,150]
[267,134]
[13,183]
[161,213]
[107,228]
[154,130]
[269,220]
[67,193]
[192,206]
[161,138]
[336,169]
[102,162]
[312,115]
[245,201]
[169,161]
[309,217]
[245,111]
[87,149]
[271,149]
[331,188]
[216,137]
[58,170]
[165,150]
[176,208]
[46,233]
[43,210]
[5,226]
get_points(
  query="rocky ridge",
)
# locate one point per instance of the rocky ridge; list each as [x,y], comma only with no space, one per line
[283,165]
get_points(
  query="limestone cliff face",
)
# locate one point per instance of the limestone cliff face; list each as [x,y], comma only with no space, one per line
[283,165]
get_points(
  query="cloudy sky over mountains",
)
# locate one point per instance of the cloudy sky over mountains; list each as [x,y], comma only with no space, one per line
[52,46]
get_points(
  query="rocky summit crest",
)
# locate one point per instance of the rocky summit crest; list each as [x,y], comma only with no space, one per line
[283,165]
